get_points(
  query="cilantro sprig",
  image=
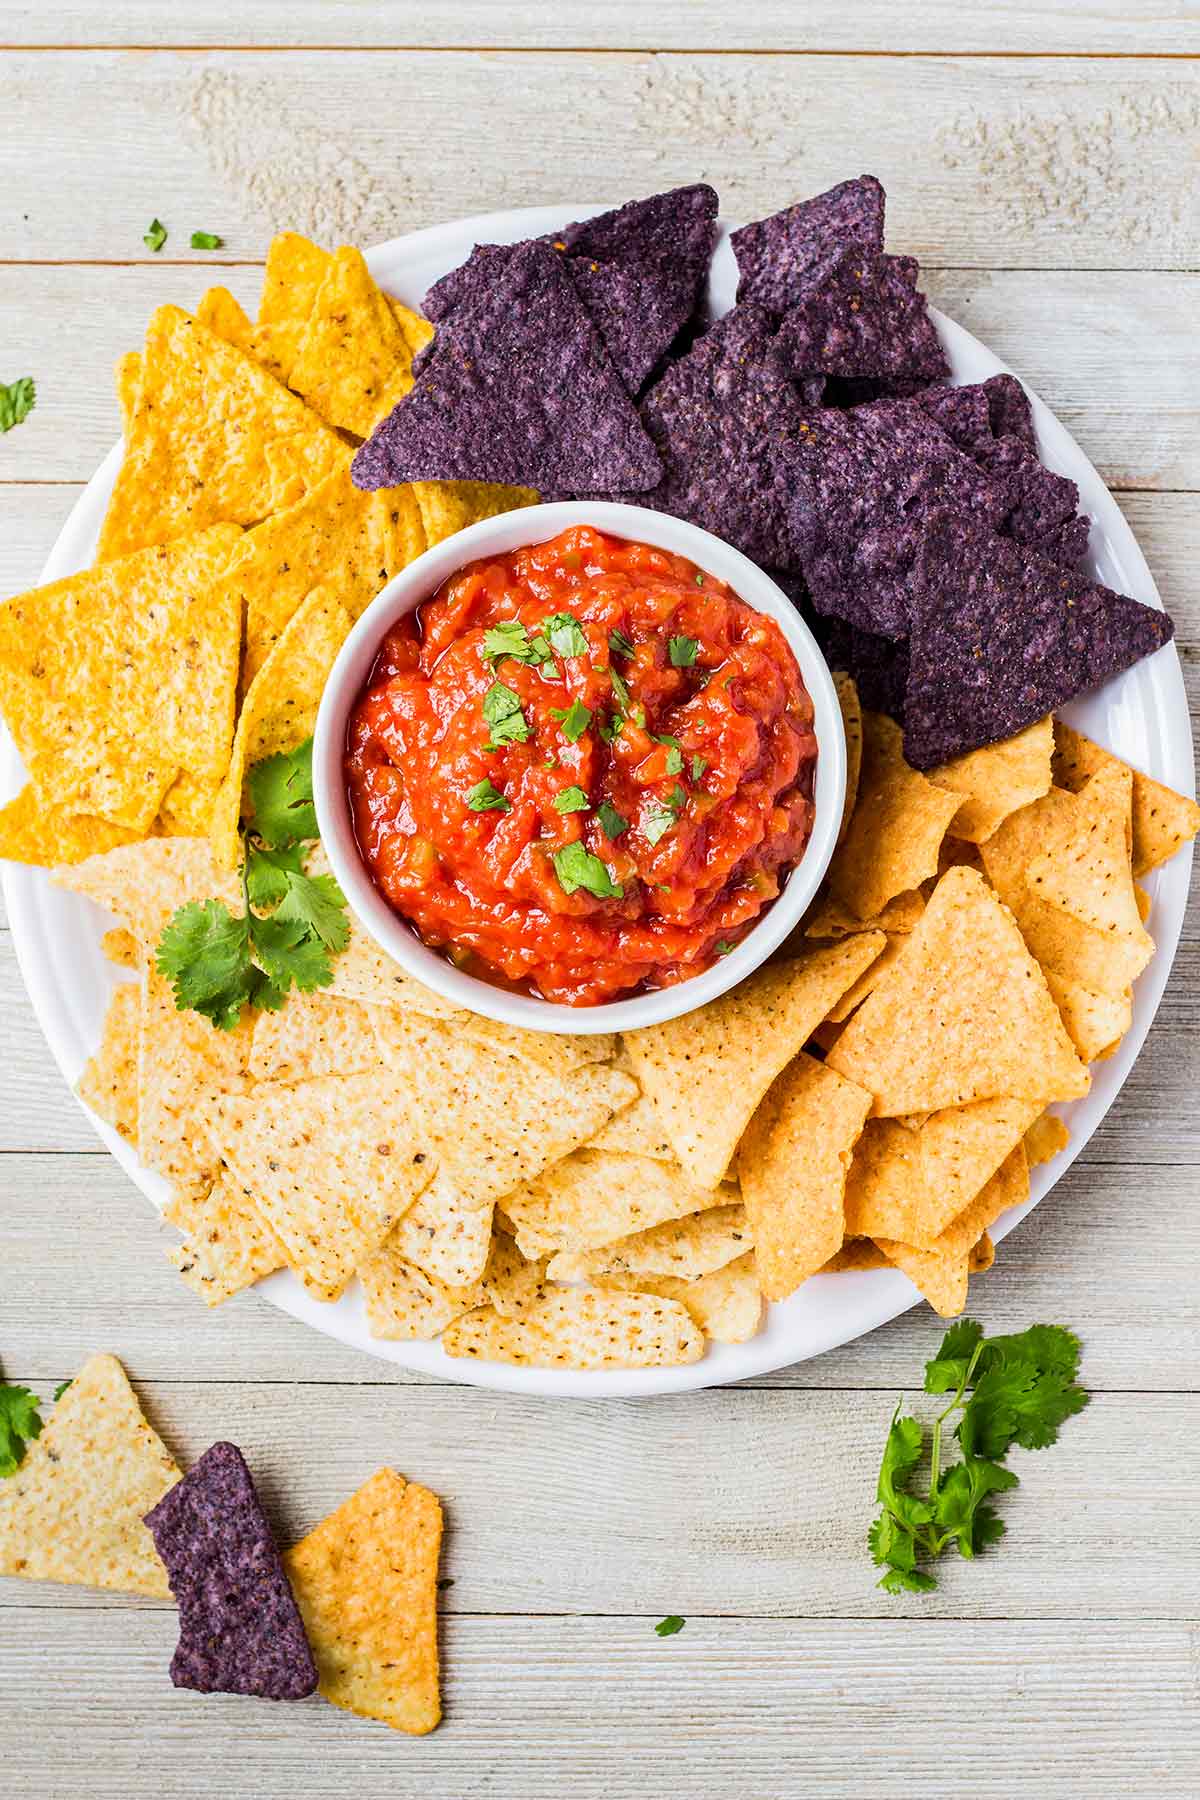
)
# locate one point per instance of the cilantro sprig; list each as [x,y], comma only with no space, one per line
[291,925]
[17,401]
[20,1423]
[1006,1391]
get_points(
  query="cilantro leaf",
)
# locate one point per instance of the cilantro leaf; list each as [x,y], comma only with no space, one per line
[484,797]
[948,1368]
[20,1423]
[318,905]
[699,764]
[571,799]
[619,644]
[620,688]
[17,400]
[576,867]
[511,638]
[281,794]
[206,240]
[267,872]
[1016,1402]
[682,651]
[565,634]
[910,1581]
[204,952]
[656,821]
[574,719]
[156,236]
[724,946]
[669,1626]
[502,715]
[61,1389]
[610,821]
[674,753]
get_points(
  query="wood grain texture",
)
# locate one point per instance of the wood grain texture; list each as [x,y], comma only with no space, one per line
[993,162]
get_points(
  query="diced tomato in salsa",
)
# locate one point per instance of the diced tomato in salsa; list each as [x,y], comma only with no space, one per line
[582,768]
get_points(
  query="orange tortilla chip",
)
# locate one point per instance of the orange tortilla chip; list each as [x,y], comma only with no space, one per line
[941,1280]
[1089,875]
[830,919]
[707,1071]
[450,506]
[964,1014]
[294,273]
[128,377]
[1096,1023]
[417,330]
[1045,1138]
[33,833]
[399,529]
[792,1164]
[896,831]
[219,312]
[1162,820]
[353,363]
[852,725]
[997,780]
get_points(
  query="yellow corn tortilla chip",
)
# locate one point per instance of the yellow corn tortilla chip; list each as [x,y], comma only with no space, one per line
[869,979]
[1163,821]
[73,1510]
[900,818]
[1045,1138]
[332,1164]
[707,1071]
[186,809]
[450,506]
[280,708]
[183,1063]
[399,528]
[940,1270]
[852,725]
[99,674]
[792,1165]
[365,1581]
[635,1131]
[573,1328]
[220,313]
[196,449]
[856,1254]
[963,1014]
[1095,1023]
[403,1303]
[1089,875]
[144,883]
[1008,1187]
[33,833]
[941,1281]
[553,1051]
[997,780]
[447,1234]
[109,1083]
[293,275]
[596,1196]
[982,1256]
[417,330]
[227,1245]
[121,947]
[310,1035]
[128,375]
[686,1248]
[489,1124]
[726,1305]
[830,919]
[353,363]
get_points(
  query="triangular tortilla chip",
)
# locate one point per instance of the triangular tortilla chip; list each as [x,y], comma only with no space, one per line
[707,1071]
[73,1511]
[195,453]
[1163,821]
[726,1305]
[128,378]
[792,1164]
[353,362]
[852,725]
[99,675]
[891,1192]
[399,528]
[964,1014]
[635,1131]
[313,1035]
[1045,1138]
[686,1248]
[997,780]
[856,1255]
[447,1234]
[227,1244]
[220,313]
[942,1282]
[830,919]
[109,1083]
[417,331]
[365,1581]
[1095,1023]
[450,506]
[331,1163]
[404,1302]
[280,708]
[33,833]
[183,1063]
[144,883]
[571,1328]
[596,1196]
[1089,876]
[870,978]
[900,818]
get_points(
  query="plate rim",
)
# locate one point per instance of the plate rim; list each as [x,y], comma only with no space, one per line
[874,1297]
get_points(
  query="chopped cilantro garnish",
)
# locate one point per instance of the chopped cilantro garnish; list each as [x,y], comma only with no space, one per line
[619,644]
[669,1626]
[682,651]
[510,638]
[620,688]
[674,753]
[724,947]
[699,580]
[206,240]
[610,728]
[574,719]
[281,796]
[156,237]
[657,820]
[503,716]
[483,797]
[16,401]
[20,1423]
[571,799]
[61,1389]
[677,798]
[699,764]
[576,867]
[610,821]
[565,634]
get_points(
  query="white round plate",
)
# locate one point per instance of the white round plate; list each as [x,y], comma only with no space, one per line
[1142,716]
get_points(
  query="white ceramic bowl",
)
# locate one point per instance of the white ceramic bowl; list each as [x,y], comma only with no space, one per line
[493,537]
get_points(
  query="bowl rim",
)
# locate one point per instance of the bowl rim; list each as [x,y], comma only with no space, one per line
[421,578]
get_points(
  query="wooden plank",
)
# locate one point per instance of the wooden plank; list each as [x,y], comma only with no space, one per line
[938,27]
[994,162]
[603,1708]
[84,1263]
[763,1512]
[1117,355]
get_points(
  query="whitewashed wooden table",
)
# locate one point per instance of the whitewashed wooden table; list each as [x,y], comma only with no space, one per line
[1041,160]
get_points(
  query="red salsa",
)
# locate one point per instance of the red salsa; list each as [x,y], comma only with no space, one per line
[582,768]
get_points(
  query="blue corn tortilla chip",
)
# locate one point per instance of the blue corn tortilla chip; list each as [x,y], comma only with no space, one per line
[1010,411]
[861,314]
[239,1627]
[518,388]
[861,484]
[961,412]
[879,665]
[718,419]
[1041,508]
[639,270]
[774,254]
[1001,636]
